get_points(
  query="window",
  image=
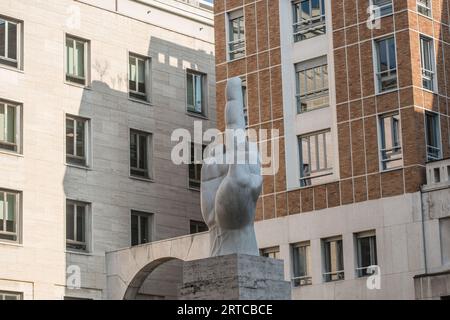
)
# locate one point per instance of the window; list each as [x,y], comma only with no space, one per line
[315,157]
[196,98]
[195,167]
[386,72]
[10,122]
[433,137]
[5,295]
[76,225]
[9,215]
[384,7]
[312,85]
[139,75]
[245,100]
[309,19]
[273,253]
[77,132]
[10,42]
[427,60]
[333,259]
[366,246]
[140,154]
[390,146]
[141,227]
[424,7]
[197,227]
[444,228]
[77,52]
[301,260]
[236,35]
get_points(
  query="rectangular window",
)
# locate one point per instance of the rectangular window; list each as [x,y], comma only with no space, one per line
[140,154]
[273,253]
[312,85]
[390,138]
[10,42]
[316,157]
[141,227]
[444,230]
[196,98]
[77,225]
[138,77]
[9,215]
[10,126]
[195,167]
[333,259]
[5,295]
[236,35]
[301,264]
[197,227]
[77,56]
[433,136]
[424,7]
[382,7]
[309,19]
[386,72]
[366,246]
[77,132]
[427,61]
[245,100]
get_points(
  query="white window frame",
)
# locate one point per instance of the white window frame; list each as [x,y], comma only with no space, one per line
[437,118]
[424,9]
[204,97]
[360,270]
[428,75]
[301,69]
[340,274]
[148,174]
[72,77]
[397,150]
[15,295]
[17,144]
[134,93]
[272,252]
[86,159]
[232,52]
[71,244]
[377,65]
[313,24]
[300,281]
[17,214]
[150,224]
[384,9]
[5,60]
[245,100]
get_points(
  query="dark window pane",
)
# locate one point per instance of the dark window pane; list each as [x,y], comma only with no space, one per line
[70,137]
[141,76]
[133,150]
[144,230]
[11,213]
[190,90]
[134,230]
[70,227]
[142,152]
[80,138]
[2,210]
[80,223]
[2,38]
[12,41]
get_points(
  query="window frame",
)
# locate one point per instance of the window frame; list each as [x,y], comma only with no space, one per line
[420,7]
[438,148]
[307,180]
[397,150]
[17,295]
[204,94]
[5,61]
[72,245]
[327,274]
[428,75]
[195,184]
[17,235]
[377,65]
[361,271]
[87,142]
[306,280]
[382,7]
[198,225]
[150,226]
[149,150]
[244,88]
[74,79]
[240,43]
[271,252]
[313,24]
[136,95]
[5,146]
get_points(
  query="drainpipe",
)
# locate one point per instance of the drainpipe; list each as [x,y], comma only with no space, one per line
[422,210]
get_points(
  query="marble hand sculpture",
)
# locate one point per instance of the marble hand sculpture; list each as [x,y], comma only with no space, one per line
[230,190]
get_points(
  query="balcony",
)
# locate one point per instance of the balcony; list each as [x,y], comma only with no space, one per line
[438,175]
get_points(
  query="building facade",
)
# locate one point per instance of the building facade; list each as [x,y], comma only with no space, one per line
[358,91]
[90,92]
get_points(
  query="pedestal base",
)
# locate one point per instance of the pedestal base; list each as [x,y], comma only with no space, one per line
[235,277]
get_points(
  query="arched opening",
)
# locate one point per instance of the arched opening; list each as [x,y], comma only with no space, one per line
[159,280]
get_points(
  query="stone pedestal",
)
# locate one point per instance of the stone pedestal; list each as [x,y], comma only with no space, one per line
[234,277]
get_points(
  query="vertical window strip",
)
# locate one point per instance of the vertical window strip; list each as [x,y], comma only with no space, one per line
[236,38]
[9,52]
[427,60]
[309,19]
[76,56]
[9,126]
[390,147]
[9,215]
